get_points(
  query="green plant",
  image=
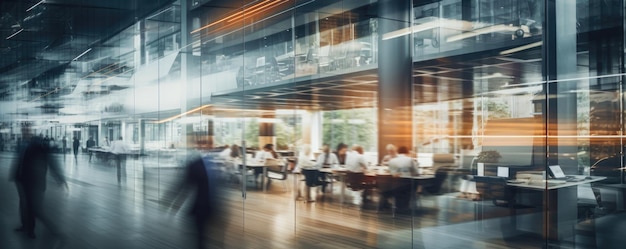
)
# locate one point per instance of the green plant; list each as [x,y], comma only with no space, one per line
[488,156]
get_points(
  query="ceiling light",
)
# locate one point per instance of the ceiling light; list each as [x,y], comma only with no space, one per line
[409,30]
[494,76]
[14,34]
[481,31]
[522,48]
[81,55]
[37,4]
[182,114]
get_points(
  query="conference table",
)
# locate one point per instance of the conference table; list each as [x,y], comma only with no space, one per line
[560,201]
[103,154]
[372,172]
[254,165]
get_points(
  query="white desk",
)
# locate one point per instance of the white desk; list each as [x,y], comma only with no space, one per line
[550,185]
[257,165]
[341,174]
[559,204]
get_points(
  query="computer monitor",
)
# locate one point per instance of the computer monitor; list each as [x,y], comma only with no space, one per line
[503,172]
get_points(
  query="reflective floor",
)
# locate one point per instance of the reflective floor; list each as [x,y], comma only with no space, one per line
[99,213]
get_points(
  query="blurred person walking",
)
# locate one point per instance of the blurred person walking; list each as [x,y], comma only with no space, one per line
[119,149]
[208,209]
[64,145]
[75,146]
[29,173]
[90,144]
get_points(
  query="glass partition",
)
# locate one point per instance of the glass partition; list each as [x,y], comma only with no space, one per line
[455,123]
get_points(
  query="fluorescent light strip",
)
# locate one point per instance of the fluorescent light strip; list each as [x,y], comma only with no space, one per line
[481,31]
[522,48]
[409,30]
[182,114]
[436,23]
[81,55]
[34,6]
[14,34]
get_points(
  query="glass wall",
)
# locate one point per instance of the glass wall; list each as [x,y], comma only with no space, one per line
[507,134]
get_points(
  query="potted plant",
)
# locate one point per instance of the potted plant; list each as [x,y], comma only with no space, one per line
[488,156]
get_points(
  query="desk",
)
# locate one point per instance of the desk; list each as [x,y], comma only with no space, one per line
[257,165]
[101,153]
[341,173]
[560,200]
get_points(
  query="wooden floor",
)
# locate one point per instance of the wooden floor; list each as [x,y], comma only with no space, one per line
[100,213]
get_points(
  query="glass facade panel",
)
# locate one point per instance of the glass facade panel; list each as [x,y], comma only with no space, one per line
[332,124]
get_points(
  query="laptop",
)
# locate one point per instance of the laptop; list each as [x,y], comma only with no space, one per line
[503,172]
[556,172]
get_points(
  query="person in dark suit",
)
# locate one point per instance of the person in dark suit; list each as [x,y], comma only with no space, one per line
[29,174]
[64,145]
[208,208]
[75,146]
[90,144]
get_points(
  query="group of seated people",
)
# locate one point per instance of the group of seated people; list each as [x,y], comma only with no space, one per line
[398,160]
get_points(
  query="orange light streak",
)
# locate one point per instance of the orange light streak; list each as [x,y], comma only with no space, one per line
[241,12]
[245,14]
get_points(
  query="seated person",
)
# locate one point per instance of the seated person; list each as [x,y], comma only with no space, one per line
[267,153]
[355,161]
[341,153]
[230,156]
[304,160]
[262,156]
[401,166]
[225,153]
[391,153]
[327,159]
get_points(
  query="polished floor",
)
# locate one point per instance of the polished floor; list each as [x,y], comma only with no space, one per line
[97,212]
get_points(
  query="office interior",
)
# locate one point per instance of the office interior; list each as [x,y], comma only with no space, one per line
[486,94]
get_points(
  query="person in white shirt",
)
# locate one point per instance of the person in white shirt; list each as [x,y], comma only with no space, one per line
[230,155]
[402,165]
[267,153]
[327,159]
[391,153]
[355,161]
[305,160]
[262,156]
[119,149]
[225,154]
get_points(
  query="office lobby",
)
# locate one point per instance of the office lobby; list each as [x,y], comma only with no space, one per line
[312,124]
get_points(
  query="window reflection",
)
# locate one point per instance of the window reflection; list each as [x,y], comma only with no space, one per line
[499,92]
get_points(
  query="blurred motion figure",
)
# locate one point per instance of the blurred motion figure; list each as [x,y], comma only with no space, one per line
[208,208]
[75,145]
[90,144]
[119,149]
[29,173]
